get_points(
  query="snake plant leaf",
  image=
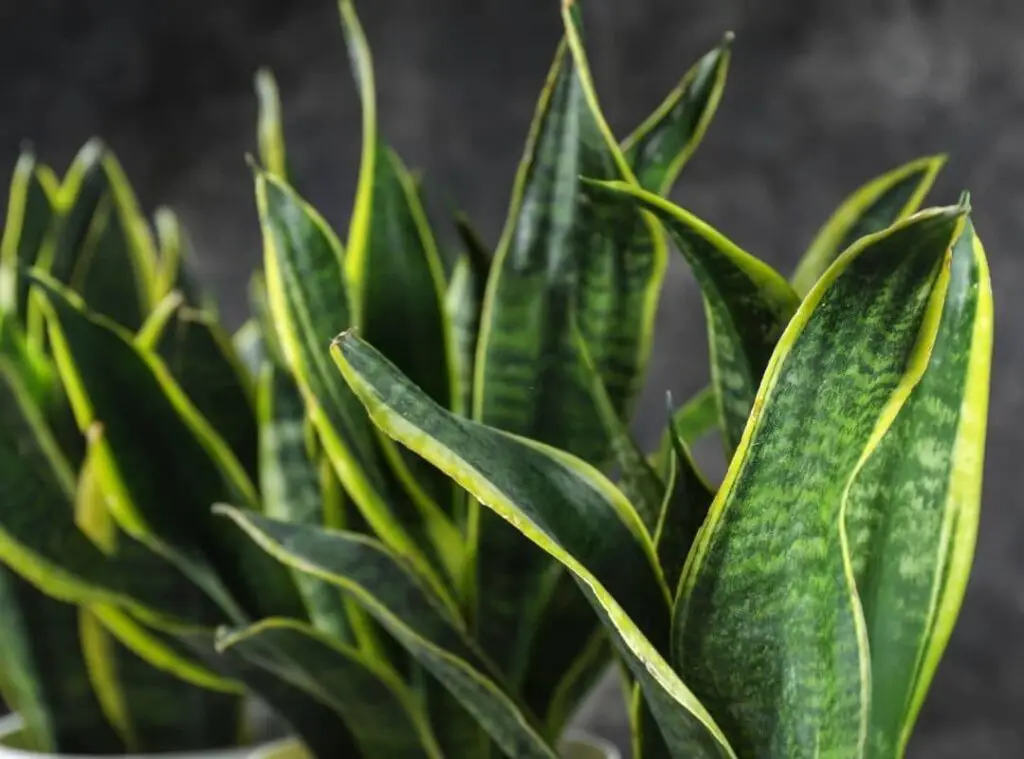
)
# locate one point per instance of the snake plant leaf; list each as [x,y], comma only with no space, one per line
[396,279]
[145,417]
[774,546]
[30,214]
[871,208]
[659,148]
[270,130]
[566,508]
[747,303]
[319,727]
[290,486]
[30,363]
[405,606]
[562,263]
[44,676]
[691,422]
[912,514]
[684,508]
[38,535]
[202,360]
[637,478]
[176,265]
[309,304]
[463,301]
[380,710]
[156,698]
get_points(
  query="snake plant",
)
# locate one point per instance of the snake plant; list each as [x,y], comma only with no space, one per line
[406,542]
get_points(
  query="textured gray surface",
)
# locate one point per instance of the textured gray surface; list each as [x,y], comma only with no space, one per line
[823,94]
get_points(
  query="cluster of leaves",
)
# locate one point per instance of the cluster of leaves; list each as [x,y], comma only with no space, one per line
[404,542]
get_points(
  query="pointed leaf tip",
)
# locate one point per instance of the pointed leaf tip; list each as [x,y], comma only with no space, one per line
[964,204]
[727,39]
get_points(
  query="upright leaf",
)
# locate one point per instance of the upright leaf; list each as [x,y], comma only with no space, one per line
[145,418]
[309,305]
[871,208]
[747,303]
[269,130]
[396,277]
[563,263]
[201,358]
[44,676]
[661,146]
[379,709]
[912,513]
[38,535]
[463,302]
[419,619]
[567,509]
[176,267]
[775,546]
[30,214]
[685,506]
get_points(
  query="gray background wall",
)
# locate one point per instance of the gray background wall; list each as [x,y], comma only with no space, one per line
[822,95]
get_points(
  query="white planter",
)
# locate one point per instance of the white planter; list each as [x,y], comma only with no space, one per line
[10,728]
[575,745]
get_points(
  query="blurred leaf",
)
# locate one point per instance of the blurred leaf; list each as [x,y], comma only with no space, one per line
[202,360]
[691,421]
[912,510]
[747,303]
[269,130]
[774,546]
[661,146]
[566,508]
[159,462]
[290,487]
[419,619]
[871,208]
[30,214]
[175,270]
[44,676]
[380,710]
[309,305]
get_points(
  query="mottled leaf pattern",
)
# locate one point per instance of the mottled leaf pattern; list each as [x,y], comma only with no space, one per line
[747,303]
[390,592]
[774,547]
[871,208]
[564,507]
[661,146]
[912,514]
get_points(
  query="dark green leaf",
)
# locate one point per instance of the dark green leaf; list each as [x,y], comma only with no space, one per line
[774,546]
[159,462]
[176,267]
[661,146]
[687,499]
[200,356]
[379,709]
[871,208]
[30,214]
[463,302]
[748,304]
[290,486]
[309,305]
[419,619]
[912,513]
[563,263]
[44,676]
[564,507]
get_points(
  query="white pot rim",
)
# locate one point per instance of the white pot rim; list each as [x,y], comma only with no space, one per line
[11,725]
